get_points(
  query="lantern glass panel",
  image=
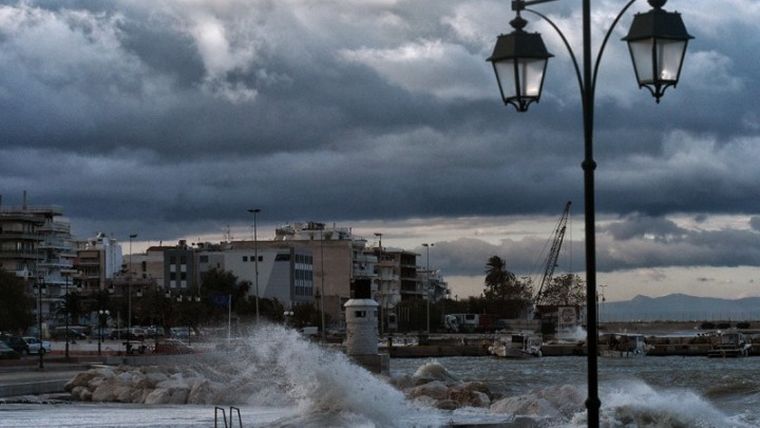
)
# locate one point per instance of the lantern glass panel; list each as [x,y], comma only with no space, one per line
[669,55]
[641,51]
[505,70]
[531,72]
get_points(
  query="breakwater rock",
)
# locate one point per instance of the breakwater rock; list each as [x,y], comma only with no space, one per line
[145,385]
[432,385]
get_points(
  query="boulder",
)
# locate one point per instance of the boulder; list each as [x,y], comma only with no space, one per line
[78,391]
[446,404]
[201,393]
[435,389]
[526,405]
[158,396]
[178,396]
[467,395]
[123,394]
[477,386]
[104,391]
[80,379]
[154,378]
[402,382]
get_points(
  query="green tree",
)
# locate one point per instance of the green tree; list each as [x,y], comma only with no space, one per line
[74,306]
[566,289]
[217,285]
[501,284]
[15,305]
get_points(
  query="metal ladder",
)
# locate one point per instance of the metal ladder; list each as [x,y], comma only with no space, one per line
[218,410]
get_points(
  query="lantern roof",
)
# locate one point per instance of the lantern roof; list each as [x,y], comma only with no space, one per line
[519,44]
[657,23]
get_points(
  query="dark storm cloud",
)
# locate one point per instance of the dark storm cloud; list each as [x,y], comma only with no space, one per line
[175,117]
[755,223]
[633,242]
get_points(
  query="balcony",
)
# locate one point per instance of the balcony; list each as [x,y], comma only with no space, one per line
[6,254]
[24,236]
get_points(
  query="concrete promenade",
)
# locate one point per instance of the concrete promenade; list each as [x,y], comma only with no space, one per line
[29,380]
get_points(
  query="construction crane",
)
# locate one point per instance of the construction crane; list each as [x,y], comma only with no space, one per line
[551,259]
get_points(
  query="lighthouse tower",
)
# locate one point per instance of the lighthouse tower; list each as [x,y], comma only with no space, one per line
[361,329]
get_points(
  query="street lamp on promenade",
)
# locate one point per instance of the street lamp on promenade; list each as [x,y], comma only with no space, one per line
[103,315]
[255,211]
[427,286]
[383,308]
[39,290]
[129,291]
[657,42]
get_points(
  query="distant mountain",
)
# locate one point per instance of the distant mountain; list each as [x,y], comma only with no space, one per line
[681,307]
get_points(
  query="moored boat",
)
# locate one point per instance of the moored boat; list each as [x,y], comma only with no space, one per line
[730,344]
[517,346]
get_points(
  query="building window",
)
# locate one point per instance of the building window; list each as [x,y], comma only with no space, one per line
[173,284]
[245,258]
[183,260]
[282,258]
[360,314]
[203,259]
[173,260]
[183,276]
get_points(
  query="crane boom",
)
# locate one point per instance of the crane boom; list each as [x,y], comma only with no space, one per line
[551,259]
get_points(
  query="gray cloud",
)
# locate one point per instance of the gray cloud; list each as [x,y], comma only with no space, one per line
[174,117]
[633,242]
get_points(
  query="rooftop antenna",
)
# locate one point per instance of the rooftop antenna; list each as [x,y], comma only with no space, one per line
[23,204]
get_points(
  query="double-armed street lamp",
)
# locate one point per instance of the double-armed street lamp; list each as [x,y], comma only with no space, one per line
[255,211]
[657,42]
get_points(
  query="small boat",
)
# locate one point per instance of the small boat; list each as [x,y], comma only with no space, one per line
[517,346]
[623,345]
[727,344]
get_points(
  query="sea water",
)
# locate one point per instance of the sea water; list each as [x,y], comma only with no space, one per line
[281,379]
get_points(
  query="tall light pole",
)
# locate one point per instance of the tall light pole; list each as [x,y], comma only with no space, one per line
[427,286]
[129,291]
[39,290]
[322,281]
[657,43]
[68,308]
[255,211]
[102,318]
[383,309]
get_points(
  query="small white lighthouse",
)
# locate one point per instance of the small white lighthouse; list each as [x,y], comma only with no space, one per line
[361,327]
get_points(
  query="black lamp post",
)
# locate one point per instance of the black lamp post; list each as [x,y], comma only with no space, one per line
[255,211]
[383,304]
[103,315]
[657,41]
[39,290]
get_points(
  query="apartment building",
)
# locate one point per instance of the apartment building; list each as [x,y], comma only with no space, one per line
[36,244]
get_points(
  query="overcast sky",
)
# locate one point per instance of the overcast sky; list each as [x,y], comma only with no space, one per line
[169,118]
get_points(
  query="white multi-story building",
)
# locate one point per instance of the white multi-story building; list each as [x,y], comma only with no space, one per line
[285,271]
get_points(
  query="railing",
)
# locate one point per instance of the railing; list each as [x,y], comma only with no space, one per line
[218,410]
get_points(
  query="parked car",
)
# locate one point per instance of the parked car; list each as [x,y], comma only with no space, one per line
[173,346]
[34,346]
[137,333]
[118,333]
[16,343]
[7,353]
[75,333]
